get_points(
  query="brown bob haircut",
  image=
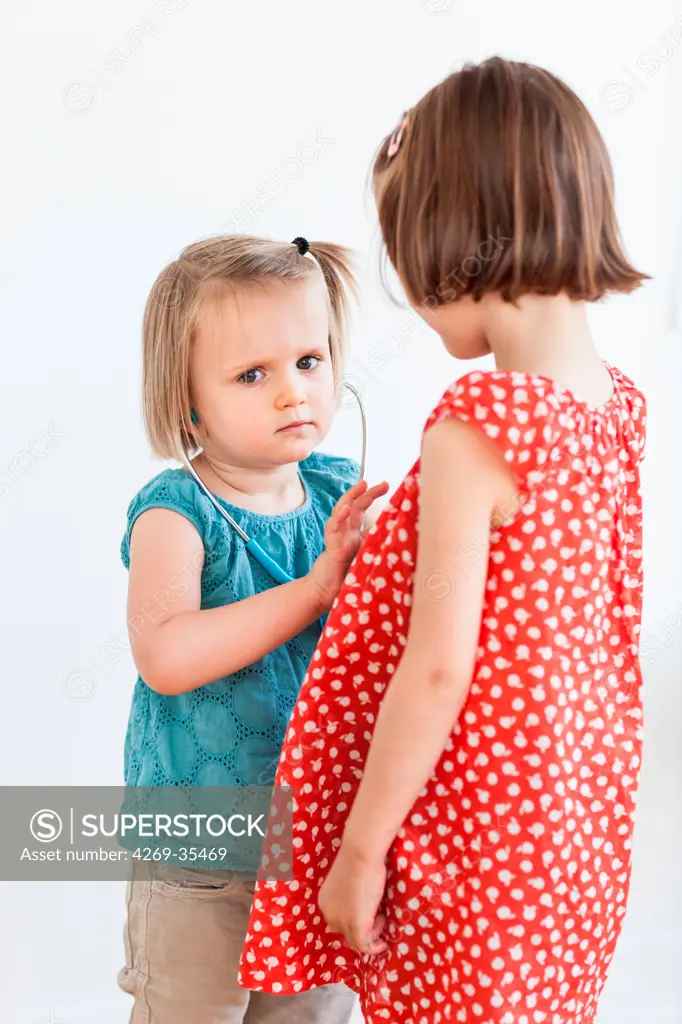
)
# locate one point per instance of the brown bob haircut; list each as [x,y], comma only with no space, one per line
[501,183]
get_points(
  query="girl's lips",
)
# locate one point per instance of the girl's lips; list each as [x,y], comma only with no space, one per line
[295,426]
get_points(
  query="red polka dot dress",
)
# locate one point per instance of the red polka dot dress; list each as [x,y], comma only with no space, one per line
[507,883]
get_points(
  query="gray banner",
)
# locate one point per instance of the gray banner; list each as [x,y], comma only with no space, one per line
[103,833]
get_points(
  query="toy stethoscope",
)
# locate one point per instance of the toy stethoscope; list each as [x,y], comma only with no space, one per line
[261,556]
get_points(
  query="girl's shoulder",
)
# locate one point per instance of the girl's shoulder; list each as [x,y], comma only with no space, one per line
[174,483]
[174,489]
[516,398]
[514,387]
[537,423]
[498,391]
[508,406]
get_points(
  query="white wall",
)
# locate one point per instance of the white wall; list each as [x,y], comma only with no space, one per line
[109,168]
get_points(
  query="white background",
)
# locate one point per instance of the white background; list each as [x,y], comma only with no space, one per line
[109,166]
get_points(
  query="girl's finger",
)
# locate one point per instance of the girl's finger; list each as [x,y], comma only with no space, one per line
[354,938]
[376,943]
[360,507]
[363,501]
[338,517]
[352,493]
[360,940]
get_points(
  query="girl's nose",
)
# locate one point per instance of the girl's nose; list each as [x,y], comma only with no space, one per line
[291,395]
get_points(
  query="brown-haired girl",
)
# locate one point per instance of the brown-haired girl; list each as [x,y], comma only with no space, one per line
[462,852]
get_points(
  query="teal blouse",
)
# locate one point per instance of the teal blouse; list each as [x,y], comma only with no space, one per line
[230,731]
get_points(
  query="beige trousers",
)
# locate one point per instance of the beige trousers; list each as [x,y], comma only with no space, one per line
[183,938]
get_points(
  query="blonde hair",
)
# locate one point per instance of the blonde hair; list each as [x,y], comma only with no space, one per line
[184,288]
[500,152]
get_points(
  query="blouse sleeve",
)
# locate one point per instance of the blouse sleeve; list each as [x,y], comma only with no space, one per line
[524,418]
[173,490]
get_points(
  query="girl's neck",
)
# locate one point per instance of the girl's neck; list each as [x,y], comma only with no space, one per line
[548,336]
[266,491]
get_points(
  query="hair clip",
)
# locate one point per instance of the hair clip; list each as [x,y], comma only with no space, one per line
[397,138]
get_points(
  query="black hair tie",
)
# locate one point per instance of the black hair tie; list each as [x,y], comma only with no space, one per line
[302,244]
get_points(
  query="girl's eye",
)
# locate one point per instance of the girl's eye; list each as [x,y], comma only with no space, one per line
[249,376]
[315,360]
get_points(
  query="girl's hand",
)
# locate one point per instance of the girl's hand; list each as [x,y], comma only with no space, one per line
[350,899]
[343,536]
